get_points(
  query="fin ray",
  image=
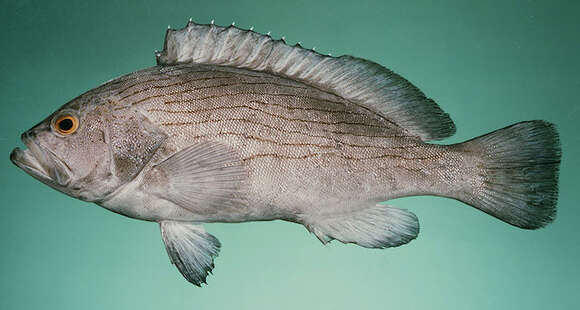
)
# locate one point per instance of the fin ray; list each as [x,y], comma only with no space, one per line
[203,176]
[380,226]
[360,81]
[518,178]
[191,249]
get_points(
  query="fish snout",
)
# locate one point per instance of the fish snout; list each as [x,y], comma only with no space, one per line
[28,138]
[40,161]
[18,156]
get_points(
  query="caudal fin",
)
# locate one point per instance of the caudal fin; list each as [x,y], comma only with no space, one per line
[517,173]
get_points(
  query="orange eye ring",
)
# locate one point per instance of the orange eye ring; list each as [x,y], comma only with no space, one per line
[66,124]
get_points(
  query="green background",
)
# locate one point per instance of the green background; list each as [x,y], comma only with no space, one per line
[487,63]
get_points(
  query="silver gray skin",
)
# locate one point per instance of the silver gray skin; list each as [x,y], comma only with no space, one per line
[195,141]
[301,155]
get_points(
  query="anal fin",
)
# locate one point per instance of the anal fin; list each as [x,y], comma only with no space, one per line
[191,249]
[380,226]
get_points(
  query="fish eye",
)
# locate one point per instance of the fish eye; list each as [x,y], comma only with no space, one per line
[66,124]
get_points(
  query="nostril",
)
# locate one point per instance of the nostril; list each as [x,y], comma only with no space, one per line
[28,135]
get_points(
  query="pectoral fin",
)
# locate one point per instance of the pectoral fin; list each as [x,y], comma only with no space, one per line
[191,249]
[200,178]
[380,226]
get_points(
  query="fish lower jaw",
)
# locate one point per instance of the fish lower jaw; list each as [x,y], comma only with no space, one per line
[24,160]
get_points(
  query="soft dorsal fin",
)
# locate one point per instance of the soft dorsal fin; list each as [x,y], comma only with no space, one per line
[358,80]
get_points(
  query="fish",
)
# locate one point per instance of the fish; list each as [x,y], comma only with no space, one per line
[233,126]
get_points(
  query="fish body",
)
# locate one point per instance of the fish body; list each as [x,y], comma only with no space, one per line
[232,126]
[303,150]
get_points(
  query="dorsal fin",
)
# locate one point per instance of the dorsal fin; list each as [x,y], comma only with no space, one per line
[358,80]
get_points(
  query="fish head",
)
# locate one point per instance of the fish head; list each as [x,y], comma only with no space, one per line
[68,151]
[89,147]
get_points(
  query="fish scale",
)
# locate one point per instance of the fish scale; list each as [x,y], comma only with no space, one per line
[257,133]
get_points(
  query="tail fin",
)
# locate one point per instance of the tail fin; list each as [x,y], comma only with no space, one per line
[517,174]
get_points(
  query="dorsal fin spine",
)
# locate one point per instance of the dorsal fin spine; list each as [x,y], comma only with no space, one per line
[241,57]
[359,81]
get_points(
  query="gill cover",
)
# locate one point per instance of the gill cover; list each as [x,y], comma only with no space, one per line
[133,139]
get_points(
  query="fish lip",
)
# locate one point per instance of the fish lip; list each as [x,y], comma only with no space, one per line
[27,162]
[41,163]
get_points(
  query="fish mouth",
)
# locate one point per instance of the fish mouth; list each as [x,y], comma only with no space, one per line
[41,163]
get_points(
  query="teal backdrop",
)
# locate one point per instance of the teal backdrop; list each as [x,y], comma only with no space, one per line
[487,63]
